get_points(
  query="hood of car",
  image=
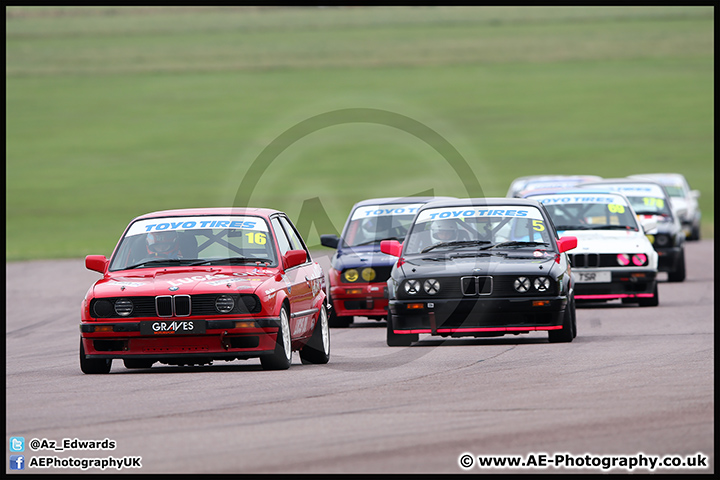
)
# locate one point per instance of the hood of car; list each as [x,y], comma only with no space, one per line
[610,241]
[363,256]
[177,281]
[460,264]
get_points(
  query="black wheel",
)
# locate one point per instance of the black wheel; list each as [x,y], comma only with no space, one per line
[137,363]
[574,318]
[399,340]
[317,349]
[338,322]
[281,358]
[569,330]
[695,233]
[93,365]
[679,274]
[653,301]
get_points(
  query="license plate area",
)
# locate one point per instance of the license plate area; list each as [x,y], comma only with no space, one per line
[172,327]
[592,277]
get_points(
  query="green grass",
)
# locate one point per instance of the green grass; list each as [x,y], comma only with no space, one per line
[114,112]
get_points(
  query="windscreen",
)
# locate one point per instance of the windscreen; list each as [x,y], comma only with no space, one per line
[589,211]
[195,240]
[373,223]
[460,228]
[646,199]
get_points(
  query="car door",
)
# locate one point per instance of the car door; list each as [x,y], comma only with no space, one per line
[298,286]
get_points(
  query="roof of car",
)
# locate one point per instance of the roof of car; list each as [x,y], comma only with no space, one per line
[184,212]
[661,177]
[485,201]
[619,180]
[392,200]
[566,191]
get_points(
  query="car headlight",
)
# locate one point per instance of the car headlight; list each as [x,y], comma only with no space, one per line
[522,284]
[103,308]
[224,303]
[623,259]
[251,303]
[368,274]
[431,286]
[412,287]
[541,284]
[351,275]
[662,240]
[639,259]
[123,307]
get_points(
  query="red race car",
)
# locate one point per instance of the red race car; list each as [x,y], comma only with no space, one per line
[188,287]
[359,270]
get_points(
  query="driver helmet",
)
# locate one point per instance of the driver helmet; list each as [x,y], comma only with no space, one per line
[444,231]
[162,243]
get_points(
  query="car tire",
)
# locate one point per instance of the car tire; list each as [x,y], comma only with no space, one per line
[93,365]
[695,233]
[574,318]
[399,340]
[653,301]
[569,330]
[281,358]
[137,363]
[678,275]
[317,349]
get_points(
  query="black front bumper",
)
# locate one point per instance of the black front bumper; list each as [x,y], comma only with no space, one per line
[477,316]
[668,258]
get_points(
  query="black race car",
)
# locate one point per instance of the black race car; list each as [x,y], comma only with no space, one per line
[480,267]
[650,200]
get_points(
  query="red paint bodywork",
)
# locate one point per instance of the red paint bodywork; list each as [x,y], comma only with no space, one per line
[298,282]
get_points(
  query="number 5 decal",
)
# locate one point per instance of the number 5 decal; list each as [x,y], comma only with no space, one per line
[538,225]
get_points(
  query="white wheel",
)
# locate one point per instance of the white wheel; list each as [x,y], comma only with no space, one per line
[317,349]
[281,358]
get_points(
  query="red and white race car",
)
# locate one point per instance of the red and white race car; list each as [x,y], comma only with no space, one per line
[188,287]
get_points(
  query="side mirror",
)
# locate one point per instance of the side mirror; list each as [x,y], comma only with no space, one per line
[567,243]
[331,241]
[96,263]
[391,247]
[649,225]
[293,258]
[695,194]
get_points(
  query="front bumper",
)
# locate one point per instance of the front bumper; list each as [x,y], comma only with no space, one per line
[668,258]
[221,340]
[361,300]
[478,316]
[624,284]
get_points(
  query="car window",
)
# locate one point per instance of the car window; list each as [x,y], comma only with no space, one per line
[295,241]
[373,223]
[452,228]
[282,239]
[588,211]
[193,240]
[646,199]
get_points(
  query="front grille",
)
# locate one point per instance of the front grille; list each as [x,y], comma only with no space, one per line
[472,286]
[479,286]
[164,306]
[585,260]
[382,274]
[592,260]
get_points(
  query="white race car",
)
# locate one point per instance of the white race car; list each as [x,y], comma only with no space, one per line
[522,185]
[614,259]
[684,200]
